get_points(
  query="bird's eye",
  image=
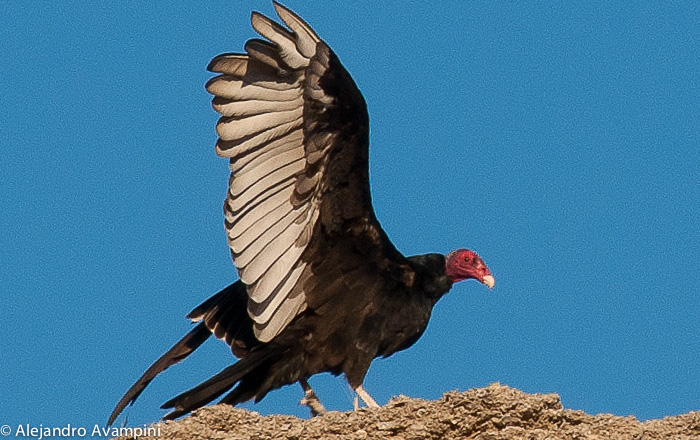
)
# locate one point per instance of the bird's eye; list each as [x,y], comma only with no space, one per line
[467,259]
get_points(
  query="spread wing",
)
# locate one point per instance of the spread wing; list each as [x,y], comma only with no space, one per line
[295,128]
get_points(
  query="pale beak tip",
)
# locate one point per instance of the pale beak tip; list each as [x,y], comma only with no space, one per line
[488,281]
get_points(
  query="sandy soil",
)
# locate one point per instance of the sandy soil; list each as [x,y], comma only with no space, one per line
[493,413]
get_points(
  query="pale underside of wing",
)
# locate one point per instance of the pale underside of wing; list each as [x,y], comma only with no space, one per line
[271,208]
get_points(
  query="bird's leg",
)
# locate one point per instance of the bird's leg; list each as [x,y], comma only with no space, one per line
[364,395]
[310,399]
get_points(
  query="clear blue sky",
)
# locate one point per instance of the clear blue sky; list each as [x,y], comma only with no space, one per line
[559,140]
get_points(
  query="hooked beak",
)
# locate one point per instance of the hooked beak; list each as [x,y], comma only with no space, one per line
[488,281]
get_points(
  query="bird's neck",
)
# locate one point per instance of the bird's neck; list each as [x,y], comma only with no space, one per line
[431,277]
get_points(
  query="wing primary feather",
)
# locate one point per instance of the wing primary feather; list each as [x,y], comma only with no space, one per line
[183,348]
[229,63]
[267,54]
[233,88]
[306,37]
[274,32]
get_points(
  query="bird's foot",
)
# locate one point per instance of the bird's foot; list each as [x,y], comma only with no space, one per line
[311,400]
[314,405]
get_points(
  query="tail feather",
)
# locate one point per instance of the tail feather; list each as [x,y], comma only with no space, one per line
[214,387]
[224,314]
[183,348]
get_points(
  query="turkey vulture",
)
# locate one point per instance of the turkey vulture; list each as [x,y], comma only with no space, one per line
[321,289]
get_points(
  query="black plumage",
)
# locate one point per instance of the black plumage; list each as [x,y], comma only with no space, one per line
[322,288]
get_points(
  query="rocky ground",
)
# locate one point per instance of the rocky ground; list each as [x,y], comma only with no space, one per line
[493,413]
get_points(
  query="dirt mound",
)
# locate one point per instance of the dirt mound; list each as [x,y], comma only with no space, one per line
[493,413]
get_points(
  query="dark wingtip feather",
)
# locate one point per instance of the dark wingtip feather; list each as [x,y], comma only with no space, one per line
[183,348]
[214,387]
[230,294]
[172,415]
[205,392]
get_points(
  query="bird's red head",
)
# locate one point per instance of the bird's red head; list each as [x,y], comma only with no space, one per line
[463,264]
